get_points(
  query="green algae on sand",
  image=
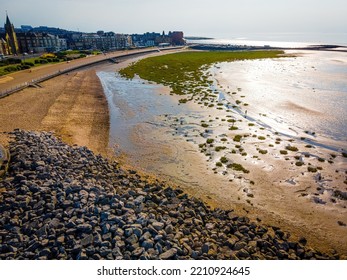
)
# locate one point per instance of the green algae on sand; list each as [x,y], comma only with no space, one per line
[185,72]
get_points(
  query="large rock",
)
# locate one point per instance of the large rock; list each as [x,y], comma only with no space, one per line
[169,254]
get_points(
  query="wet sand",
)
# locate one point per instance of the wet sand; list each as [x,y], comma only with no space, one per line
[278,190]
[282,194]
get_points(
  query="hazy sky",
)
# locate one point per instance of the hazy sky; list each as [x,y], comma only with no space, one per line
[216,18]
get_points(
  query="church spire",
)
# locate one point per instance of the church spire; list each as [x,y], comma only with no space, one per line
[11,37]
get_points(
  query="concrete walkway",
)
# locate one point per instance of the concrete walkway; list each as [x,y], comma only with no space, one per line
[19,80]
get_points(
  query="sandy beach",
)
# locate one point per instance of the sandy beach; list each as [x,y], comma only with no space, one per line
[75,108]
[72,106]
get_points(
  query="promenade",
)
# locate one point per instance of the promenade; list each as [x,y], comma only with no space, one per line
[19,80]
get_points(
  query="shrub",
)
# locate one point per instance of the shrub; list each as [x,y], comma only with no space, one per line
[237,167]
[42,61]
[184,100]
[219,148]
[23,67]
[223,160]
[10,69]
[292,148]
[237,138]
[311,169]
[28,63]
[283,152]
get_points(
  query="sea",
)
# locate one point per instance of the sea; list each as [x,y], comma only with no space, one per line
[279,40]
[302,94]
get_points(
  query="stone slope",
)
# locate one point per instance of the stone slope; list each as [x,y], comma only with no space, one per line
[64,202]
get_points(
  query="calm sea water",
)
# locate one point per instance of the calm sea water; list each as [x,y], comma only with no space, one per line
[303,93]
[134,102]
[283,40]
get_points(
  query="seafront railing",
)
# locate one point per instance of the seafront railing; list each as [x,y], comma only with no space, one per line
[44,78]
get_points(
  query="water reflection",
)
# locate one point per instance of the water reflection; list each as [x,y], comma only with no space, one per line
[308,93]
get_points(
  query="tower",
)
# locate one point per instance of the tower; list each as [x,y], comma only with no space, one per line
[11,37]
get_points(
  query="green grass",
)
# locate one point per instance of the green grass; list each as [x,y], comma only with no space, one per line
[185,72]
[27,63]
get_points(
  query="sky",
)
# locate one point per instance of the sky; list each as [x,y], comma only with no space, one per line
[211,18]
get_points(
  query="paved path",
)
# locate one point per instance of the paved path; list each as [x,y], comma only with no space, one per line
[25,77]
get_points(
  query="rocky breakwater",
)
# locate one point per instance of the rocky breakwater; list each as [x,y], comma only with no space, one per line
[4,160]
[64,202]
